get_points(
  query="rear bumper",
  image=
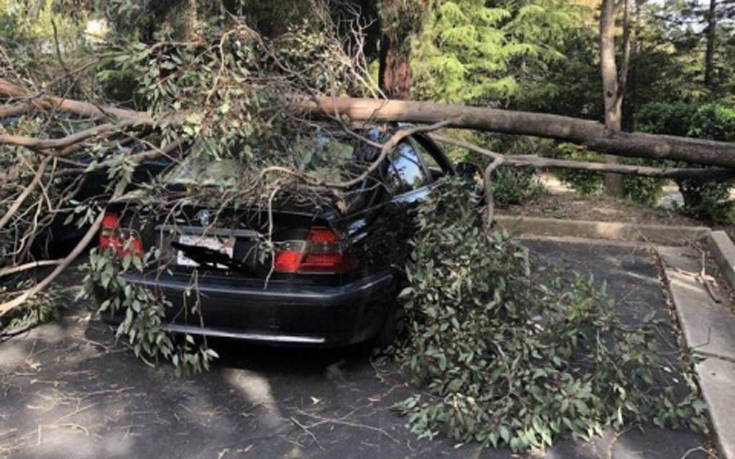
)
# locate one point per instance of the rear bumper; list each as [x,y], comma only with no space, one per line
[279,314]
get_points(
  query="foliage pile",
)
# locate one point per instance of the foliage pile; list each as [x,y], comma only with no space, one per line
[506,361]
[143,312]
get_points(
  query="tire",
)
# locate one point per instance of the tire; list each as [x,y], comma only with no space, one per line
[389,330]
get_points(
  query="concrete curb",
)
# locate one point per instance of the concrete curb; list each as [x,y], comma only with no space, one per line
[723,250]
[708,328]
[658,234]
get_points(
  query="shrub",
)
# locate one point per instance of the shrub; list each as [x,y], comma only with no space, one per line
[583,182]
[643,190]
[504,361]
[514,185]
[703,200]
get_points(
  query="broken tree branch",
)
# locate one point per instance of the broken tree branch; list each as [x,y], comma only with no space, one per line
[78,249]
[25,193]
[14,110]
[62,142]
[72,106]
[714,174]
[26,266]
[585,132]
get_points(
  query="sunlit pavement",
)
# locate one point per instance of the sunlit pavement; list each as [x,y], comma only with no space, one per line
[68,390]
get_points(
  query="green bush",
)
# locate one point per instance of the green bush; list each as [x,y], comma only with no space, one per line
[703,200]
[514,186]
[510,185]
[583,182]
[502,360]
[643,190]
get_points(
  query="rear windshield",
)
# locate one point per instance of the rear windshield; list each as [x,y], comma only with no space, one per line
[325,154]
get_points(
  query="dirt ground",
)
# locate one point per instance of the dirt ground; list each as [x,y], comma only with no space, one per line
[68,389]
[560,201]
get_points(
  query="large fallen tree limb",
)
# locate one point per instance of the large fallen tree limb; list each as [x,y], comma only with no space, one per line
[710,173]
[585,132]
[50,102]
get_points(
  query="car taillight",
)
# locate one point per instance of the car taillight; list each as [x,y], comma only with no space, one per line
[122,242]
[321,252]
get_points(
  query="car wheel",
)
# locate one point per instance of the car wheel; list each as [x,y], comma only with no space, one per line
[391,326]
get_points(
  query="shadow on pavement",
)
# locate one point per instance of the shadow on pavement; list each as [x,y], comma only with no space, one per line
[69,390]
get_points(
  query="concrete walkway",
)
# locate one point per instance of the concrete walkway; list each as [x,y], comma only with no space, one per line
[709,330]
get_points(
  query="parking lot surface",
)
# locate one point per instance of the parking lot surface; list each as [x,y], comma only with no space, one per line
[67,389]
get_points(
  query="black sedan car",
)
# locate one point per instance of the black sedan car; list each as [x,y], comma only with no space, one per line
[333,277]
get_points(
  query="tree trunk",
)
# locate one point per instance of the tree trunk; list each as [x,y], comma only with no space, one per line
[709,57]
[394,70]
[611,91]
[400,19]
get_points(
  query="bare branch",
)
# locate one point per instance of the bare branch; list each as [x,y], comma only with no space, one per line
[25,193]
[62,142]
[72,106]
[14,110]
[78,249]
[489,200]
[26,266]
[710,173]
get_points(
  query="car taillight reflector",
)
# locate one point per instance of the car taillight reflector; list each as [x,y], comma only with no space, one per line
[121,242]
[321,234]
[287,261]
[322,252]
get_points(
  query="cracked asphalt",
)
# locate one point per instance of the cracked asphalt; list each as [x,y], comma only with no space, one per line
[67,389]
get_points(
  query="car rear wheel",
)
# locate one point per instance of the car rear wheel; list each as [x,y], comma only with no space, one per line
[392,325]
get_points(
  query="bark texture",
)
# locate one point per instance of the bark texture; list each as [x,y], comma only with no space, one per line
[612,90]
[585,132]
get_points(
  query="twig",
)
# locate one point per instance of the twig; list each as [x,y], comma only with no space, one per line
[25,193]
[323,420]
[26,266]
[20,299]
[309,432]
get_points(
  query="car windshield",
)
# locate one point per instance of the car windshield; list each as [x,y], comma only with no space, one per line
[325,154]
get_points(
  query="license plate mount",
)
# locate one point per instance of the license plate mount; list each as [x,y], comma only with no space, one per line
[224,245]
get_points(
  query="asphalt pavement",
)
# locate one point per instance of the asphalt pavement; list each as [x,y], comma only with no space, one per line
[67,389]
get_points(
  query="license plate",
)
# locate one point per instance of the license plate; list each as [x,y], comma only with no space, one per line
[224,245]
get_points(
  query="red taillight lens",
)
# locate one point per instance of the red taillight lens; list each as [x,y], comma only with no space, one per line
[322,252]
[322,234]
[287,261]
[121,242]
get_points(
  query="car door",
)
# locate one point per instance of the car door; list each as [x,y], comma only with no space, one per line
[381,232]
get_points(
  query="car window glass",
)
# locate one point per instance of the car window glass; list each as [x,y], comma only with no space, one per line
[426,156]
[325,154]
[405,170]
